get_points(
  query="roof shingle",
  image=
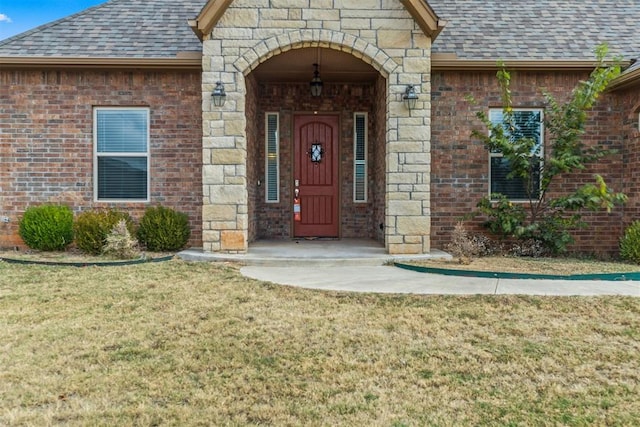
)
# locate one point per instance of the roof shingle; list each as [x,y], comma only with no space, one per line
[115,29]
[476,29]
[542,29]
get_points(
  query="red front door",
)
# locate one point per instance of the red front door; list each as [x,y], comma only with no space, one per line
[316,175]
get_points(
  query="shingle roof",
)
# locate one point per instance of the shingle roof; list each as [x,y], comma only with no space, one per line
[117,28]
[541,29]
[476,29]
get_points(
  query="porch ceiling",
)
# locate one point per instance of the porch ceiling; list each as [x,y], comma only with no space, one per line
[297,66]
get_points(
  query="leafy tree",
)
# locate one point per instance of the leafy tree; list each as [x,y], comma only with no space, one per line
[548,220]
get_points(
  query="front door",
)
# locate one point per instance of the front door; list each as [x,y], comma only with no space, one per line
[316,175]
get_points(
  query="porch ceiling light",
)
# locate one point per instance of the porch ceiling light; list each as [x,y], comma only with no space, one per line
[316,84]
[410,97]
[219,96]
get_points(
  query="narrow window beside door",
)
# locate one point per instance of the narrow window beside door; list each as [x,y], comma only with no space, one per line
[272,158]
[360,157]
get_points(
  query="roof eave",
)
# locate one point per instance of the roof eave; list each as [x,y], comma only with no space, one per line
[184,61]
[625,80]
[425,17]
[448,62]
[209,17]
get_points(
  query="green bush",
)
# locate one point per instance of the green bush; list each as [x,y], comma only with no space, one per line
[163,229]
[630,243]
[93,227]
[47,227]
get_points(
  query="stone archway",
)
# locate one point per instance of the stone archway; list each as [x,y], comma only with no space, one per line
[407,194]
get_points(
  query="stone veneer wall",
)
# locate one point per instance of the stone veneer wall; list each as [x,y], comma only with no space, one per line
[46,140]
[461,165]
[383,34]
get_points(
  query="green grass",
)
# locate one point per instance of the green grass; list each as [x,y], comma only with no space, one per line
[176,343]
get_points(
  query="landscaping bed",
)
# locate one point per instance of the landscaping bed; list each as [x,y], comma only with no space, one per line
[510,264]
[73,257]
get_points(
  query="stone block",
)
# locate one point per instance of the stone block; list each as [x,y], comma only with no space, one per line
[419,65]
[405,249]
[227,156]
[219,212]
[228,194]
[404,207]
[413,225]
[212,174]
[321,14]
[289,3]
[356,4]
[232,240]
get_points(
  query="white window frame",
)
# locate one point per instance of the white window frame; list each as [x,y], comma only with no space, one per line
[499,154]
[271,156]
[97,154]
[360,162]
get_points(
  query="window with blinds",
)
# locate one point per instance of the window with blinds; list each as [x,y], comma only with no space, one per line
[360,157]
[526,123]
[272,158]
[121,157]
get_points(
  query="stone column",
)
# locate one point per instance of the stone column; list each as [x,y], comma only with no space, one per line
[225,200]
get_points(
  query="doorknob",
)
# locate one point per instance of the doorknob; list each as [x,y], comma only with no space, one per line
[297,192]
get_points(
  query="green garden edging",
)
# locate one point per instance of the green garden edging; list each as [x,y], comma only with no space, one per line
[86,264]
[503,275]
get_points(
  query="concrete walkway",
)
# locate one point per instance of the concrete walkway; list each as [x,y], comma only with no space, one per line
[361,266]
[388,279]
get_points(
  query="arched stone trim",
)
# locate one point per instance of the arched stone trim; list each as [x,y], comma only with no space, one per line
[330,39]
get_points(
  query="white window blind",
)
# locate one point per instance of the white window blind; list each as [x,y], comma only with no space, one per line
[272,158]
[527,123]
[121,158]
[360,157]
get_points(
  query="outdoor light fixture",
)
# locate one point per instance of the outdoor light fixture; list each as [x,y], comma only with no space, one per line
[410,97]
[219,96]
[316,84]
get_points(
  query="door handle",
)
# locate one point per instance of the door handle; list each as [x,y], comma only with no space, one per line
[297,192]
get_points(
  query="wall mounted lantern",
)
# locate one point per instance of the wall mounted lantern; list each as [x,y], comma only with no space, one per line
[316,84]
[410,97]
[219,96]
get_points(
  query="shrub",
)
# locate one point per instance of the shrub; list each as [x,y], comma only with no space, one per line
[163,229]
[465,246]
[120,244]
[93,227]
[630,243]
[47,227]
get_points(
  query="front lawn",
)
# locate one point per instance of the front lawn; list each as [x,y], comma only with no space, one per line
[178,343]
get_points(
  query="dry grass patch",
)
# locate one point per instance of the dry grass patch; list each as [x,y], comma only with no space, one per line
[176,343]
[508,264]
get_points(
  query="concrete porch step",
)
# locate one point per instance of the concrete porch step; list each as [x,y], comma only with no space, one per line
[294,253]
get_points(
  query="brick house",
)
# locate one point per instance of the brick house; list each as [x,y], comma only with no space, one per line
[113,107]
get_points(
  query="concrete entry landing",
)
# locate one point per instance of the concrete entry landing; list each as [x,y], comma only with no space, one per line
[298,252]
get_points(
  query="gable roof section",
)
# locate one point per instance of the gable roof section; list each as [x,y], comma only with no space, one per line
[118,31]
[420,10]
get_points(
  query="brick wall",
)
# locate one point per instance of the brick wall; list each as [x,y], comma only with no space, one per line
[460,163]
[255,162]
[629,107]
[274,219]
[46,143]
[378,162]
